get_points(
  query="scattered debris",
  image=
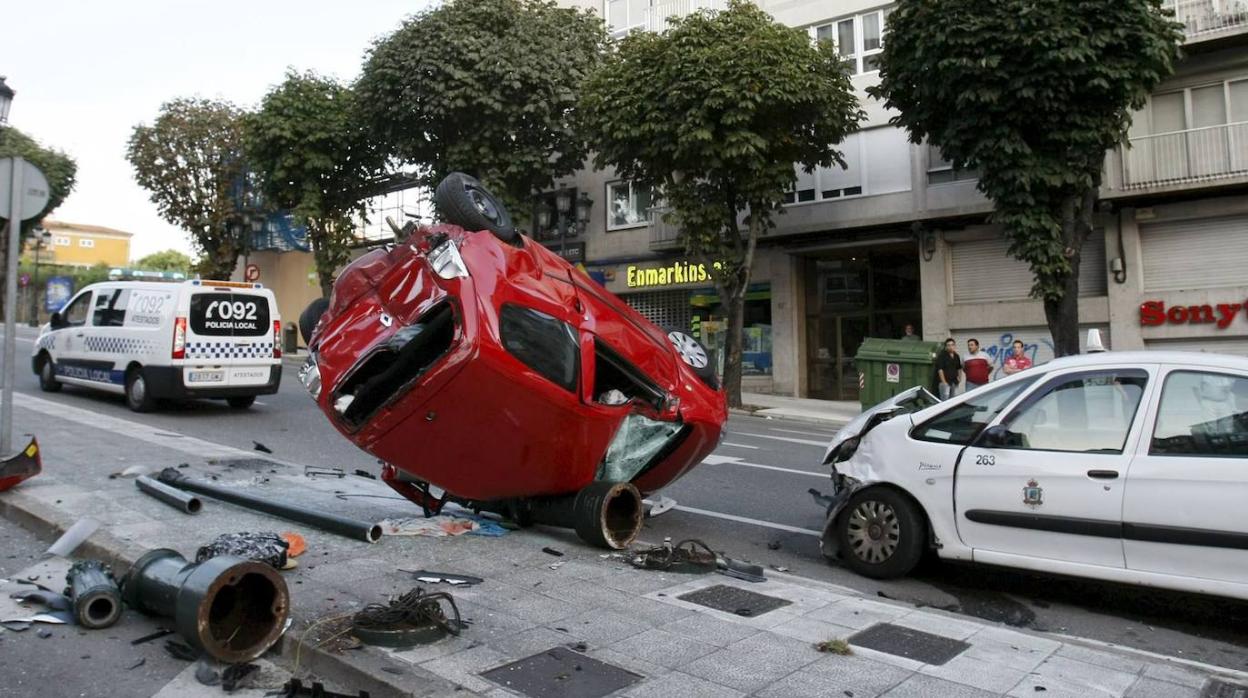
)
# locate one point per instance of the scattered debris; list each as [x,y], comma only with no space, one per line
[837,646]
[821,499]
[152,636]
[51,617]
[186,503]
[393,670]
[1038,689]
[207,672]
[322,471]
[557,565]
[235,674]
[659,505]
[773,545]
[74,537]
[294,688]
[26,464]
[296,542]
[44,634]
[137,664]
[442,525]
[416,617]
[365,473]
[552,551]
[262,448]
[269,548]
[54,601]
[182,651]
[779,568]
[687,556]
[444,578]
[578,646]
[95,595]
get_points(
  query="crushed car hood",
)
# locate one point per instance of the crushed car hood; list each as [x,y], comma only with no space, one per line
[907,401]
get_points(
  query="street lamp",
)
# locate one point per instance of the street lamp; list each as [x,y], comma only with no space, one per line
[6,101]
[42,238]
[570,214]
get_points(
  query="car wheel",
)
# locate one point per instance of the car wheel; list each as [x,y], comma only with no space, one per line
[138,397]
[882,533]
[47,375]
[240,403]
[310,317]
[464,201]
[694,355]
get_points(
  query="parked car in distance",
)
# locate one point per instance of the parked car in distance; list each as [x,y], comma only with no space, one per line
[1128,467]
[472,359]
[152,341]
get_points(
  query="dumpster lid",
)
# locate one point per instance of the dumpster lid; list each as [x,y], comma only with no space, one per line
[897,350]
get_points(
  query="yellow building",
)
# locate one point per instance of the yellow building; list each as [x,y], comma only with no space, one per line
[80,245]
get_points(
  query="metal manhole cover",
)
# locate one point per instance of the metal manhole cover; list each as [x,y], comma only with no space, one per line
[1217,688]
[735,600]
[561,672]
[909,643]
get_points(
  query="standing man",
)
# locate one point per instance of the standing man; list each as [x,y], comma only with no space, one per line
[1016,361]
[909,335]
[948,370]
[976,365]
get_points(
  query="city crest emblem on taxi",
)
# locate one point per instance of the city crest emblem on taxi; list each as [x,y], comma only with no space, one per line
[1033,494]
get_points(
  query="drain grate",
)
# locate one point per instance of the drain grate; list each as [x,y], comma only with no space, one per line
[909,643]
[1218,688]
[561,672]
[736,600]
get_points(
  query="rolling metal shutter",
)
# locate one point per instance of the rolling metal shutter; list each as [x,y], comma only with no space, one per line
[1237,346]
[667,309]
[1204,253]
[984,271]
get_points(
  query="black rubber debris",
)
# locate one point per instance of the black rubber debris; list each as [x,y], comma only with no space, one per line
[561,673]
[261,447]
[552,551]
[734,600]
[909,643]
[153,636]
[136,665]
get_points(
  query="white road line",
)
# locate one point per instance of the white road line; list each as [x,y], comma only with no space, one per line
[827,434]
[809,442]
[755,448]
[716,459]
[747,520]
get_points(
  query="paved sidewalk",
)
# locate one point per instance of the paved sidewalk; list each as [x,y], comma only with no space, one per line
[833,413]
[646,624]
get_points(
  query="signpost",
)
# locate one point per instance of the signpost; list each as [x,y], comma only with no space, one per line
[23,194]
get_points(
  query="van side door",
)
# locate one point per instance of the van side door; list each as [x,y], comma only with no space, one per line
[68,352]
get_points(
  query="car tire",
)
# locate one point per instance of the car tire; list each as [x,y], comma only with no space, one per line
[240,403]
[464,201]
[138,397]
[694,355]
[309,318]
[47,375]
[881,533]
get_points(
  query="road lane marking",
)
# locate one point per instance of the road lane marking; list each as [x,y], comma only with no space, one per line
[808,442]
[716,459]
[827,434]
[755,448]
[747,520]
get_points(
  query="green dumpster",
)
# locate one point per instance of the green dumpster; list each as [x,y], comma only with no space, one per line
[889,366]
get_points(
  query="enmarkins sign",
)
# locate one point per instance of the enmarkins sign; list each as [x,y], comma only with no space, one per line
[670,275]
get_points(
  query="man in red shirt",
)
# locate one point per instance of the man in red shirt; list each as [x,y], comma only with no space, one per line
[1017,361]
[976,366]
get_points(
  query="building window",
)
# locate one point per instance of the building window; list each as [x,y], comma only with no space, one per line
[628,205]
[61,241]
[858,39]
[86,242]
[624,16]
[941,171]
[877,161]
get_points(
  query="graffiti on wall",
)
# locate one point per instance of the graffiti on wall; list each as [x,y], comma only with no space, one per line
[997,344]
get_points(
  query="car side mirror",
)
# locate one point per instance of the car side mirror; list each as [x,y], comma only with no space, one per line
[992,437]
[55,321]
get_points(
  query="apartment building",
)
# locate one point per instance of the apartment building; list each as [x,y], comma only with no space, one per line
[901,237]
[81,245]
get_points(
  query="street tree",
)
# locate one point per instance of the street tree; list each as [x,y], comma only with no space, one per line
[486,87]
[58,168]
[1031,94]
[715,114]
[165,260]
[313,156]
[190,160]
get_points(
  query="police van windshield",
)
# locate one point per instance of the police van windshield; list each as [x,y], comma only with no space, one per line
[230,315]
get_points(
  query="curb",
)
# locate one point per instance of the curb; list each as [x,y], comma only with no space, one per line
[361,670]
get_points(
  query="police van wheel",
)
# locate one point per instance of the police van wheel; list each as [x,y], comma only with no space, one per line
[240,403]
[138,398]
[882,533]
[47,376]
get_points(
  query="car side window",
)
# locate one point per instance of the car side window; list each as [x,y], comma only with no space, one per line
[110,308]
[75,314]
[963,422]
[543,342]
[1082,413]
[1202,414]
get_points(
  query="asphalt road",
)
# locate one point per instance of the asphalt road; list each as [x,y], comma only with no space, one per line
[751,500]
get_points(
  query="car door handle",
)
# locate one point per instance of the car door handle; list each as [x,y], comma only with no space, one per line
[1103,474]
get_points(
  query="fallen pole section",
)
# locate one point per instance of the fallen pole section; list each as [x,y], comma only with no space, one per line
[330,523]
[176,498]
[94,594]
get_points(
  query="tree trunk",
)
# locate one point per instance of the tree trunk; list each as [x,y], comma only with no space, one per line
[734,306]
[1062,314]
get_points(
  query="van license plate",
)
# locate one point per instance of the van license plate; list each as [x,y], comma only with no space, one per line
[205,376]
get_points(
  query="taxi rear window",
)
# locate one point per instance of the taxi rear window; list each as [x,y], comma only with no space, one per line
[230,315]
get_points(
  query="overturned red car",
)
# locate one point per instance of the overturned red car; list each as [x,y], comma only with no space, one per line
[470,359]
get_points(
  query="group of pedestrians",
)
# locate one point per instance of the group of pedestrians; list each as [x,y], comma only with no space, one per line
[976,368]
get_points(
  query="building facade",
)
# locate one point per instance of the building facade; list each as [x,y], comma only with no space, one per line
[80,245]
[901,237]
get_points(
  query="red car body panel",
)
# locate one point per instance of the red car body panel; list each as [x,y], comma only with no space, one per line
[478,422]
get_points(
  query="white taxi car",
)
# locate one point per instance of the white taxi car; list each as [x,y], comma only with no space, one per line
[1129,467]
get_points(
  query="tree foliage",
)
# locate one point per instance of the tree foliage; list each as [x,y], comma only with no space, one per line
[190,160]
[314,157]
[1031,93]
[486,87]
[714,113]
[165,260]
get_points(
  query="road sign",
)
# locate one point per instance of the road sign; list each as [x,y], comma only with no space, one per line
[892,373]
[34,189]
[23,280]
[251,273]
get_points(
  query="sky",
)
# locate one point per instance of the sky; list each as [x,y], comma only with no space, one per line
[87,72]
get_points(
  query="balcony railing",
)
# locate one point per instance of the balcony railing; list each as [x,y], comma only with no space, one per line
[663,235]
[1195,155]
[657,14]
[1204,18]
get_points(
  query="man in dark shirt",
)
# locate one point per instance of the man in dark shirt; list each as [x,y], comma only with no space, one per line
[948,370]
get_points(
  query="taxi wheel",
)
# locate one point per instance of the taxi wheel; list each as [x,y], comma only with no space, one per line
[138,398]
[882,533]
[47,375]
[240,403]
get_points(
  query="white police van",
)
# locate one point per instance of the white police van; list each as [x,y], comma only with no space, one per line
[152,341]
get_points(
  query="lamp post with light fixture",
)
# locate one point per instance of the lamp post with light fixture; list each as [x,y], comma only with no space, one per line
[565,218]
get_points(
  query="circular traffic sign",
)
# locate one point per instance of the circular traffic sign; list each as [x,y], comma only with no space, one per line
[34,189]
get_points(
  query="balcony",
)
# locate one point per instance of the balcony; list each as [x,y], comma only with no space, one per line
[663,235]
[1178,160]
[657,14]
[1207,20]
